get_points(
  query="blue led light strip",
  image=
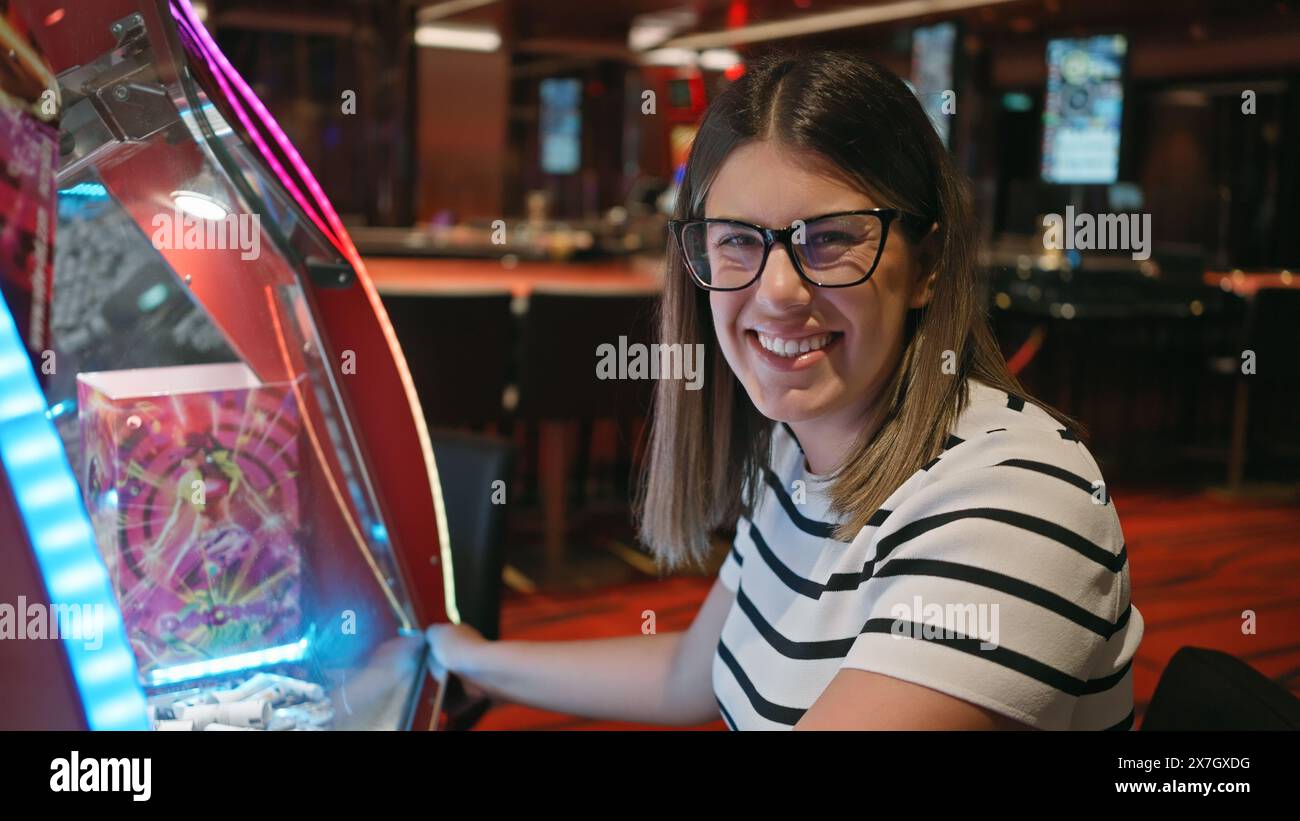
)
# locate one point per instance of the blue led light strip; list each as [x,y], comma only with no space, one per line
[282,654]
[91,190]
[63,542]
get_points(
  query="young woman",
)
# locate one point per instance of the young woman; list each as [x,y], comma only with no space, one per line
[919,544]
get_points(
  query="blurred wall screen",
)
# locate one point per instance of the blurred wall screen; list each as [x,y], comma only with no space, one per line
[561,126]
[1083,111]
[932,72]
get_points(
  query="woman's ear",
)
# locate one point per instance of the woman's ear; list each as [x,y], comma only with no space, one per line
[927,268]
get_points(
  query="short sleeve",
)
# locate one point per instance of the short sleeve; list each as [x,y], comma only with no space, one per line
[1001,584]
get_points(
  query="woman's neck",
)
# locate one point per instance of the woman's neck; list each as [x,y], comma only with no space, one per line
[826,440]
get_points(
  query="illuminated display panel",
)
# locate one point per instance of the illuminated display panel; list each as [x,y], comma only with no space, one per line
[933,51]
[561,125]
[1084,108]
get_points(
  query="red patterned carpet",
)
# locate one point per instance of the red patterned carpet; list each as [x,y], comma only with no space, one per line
[1197,562]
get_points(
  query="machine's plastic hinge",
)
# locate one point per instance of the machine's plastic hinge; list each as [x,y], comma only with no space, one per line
[330,274]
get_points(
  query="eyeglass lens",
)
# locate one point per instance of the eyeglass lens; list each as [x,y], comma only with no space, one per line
[832,251]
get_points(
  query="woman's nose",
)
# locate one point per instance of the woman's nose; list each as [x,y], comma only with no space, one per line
[780,287]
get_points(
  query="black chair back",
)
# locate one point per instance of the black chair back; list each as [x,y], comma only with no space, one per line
[561,337]
[1204,689]
[469,466]
[1272,333]
[460,350]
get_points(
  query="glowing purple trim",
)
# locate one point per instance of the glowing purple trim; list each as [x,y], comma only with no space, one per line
[222,70]
[213,58]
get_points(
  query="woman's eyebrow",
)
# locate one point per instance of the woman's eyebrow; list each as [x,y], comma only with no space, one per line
[813,218]
[731,219]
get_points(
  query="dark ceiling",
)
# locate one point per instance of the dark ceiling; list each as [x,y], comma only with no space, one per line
[598,28]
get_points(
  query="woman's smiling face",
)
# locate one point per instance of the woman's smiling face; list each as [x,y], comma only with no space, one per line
[860,328]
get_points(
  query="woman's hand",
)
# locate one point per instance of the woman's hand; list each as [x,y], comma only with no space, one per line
[450,646]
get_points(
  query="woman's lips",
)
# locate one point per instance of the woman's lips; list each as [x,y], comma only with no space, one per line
[804,351]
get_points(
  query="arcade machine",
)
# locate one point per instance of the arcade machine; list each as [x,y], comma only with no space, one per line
[216,488]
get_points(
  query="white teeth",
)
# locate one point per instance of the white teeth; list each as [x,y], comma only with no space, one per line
[793,347]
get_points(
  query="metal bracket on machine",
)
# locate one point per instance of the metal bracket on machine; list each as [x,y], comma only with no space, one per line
[117,98]
[129,29]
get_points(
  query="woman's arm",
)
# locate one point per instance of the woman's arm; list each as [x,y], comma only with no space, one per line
[860,700]
[659,679]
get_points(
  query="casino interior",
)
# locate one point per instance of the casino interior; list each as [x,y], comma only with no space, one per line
[444,213]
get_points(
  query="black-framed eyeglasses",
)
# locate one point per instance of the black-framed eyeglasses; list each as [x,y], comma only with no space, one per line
[831,251]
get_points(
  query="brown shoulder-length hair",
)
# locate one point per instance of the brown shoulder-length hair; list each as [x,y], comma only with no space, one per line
[707,447]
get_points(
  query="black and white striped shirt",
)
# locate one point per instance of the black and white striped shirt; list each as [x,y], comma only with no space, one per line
[997,574]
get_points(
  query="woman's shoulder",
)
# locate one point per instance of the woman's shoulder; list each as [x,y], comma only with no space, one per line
[1009,462]
[996,428]
[991,409]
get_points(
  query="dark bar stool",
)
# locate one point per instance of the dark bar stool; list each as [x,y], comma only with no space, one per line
[559,389]
[1271,322]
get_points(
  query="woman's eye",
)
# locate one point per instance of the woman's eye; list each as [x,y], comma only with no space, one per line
[836,238]
[735,241]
